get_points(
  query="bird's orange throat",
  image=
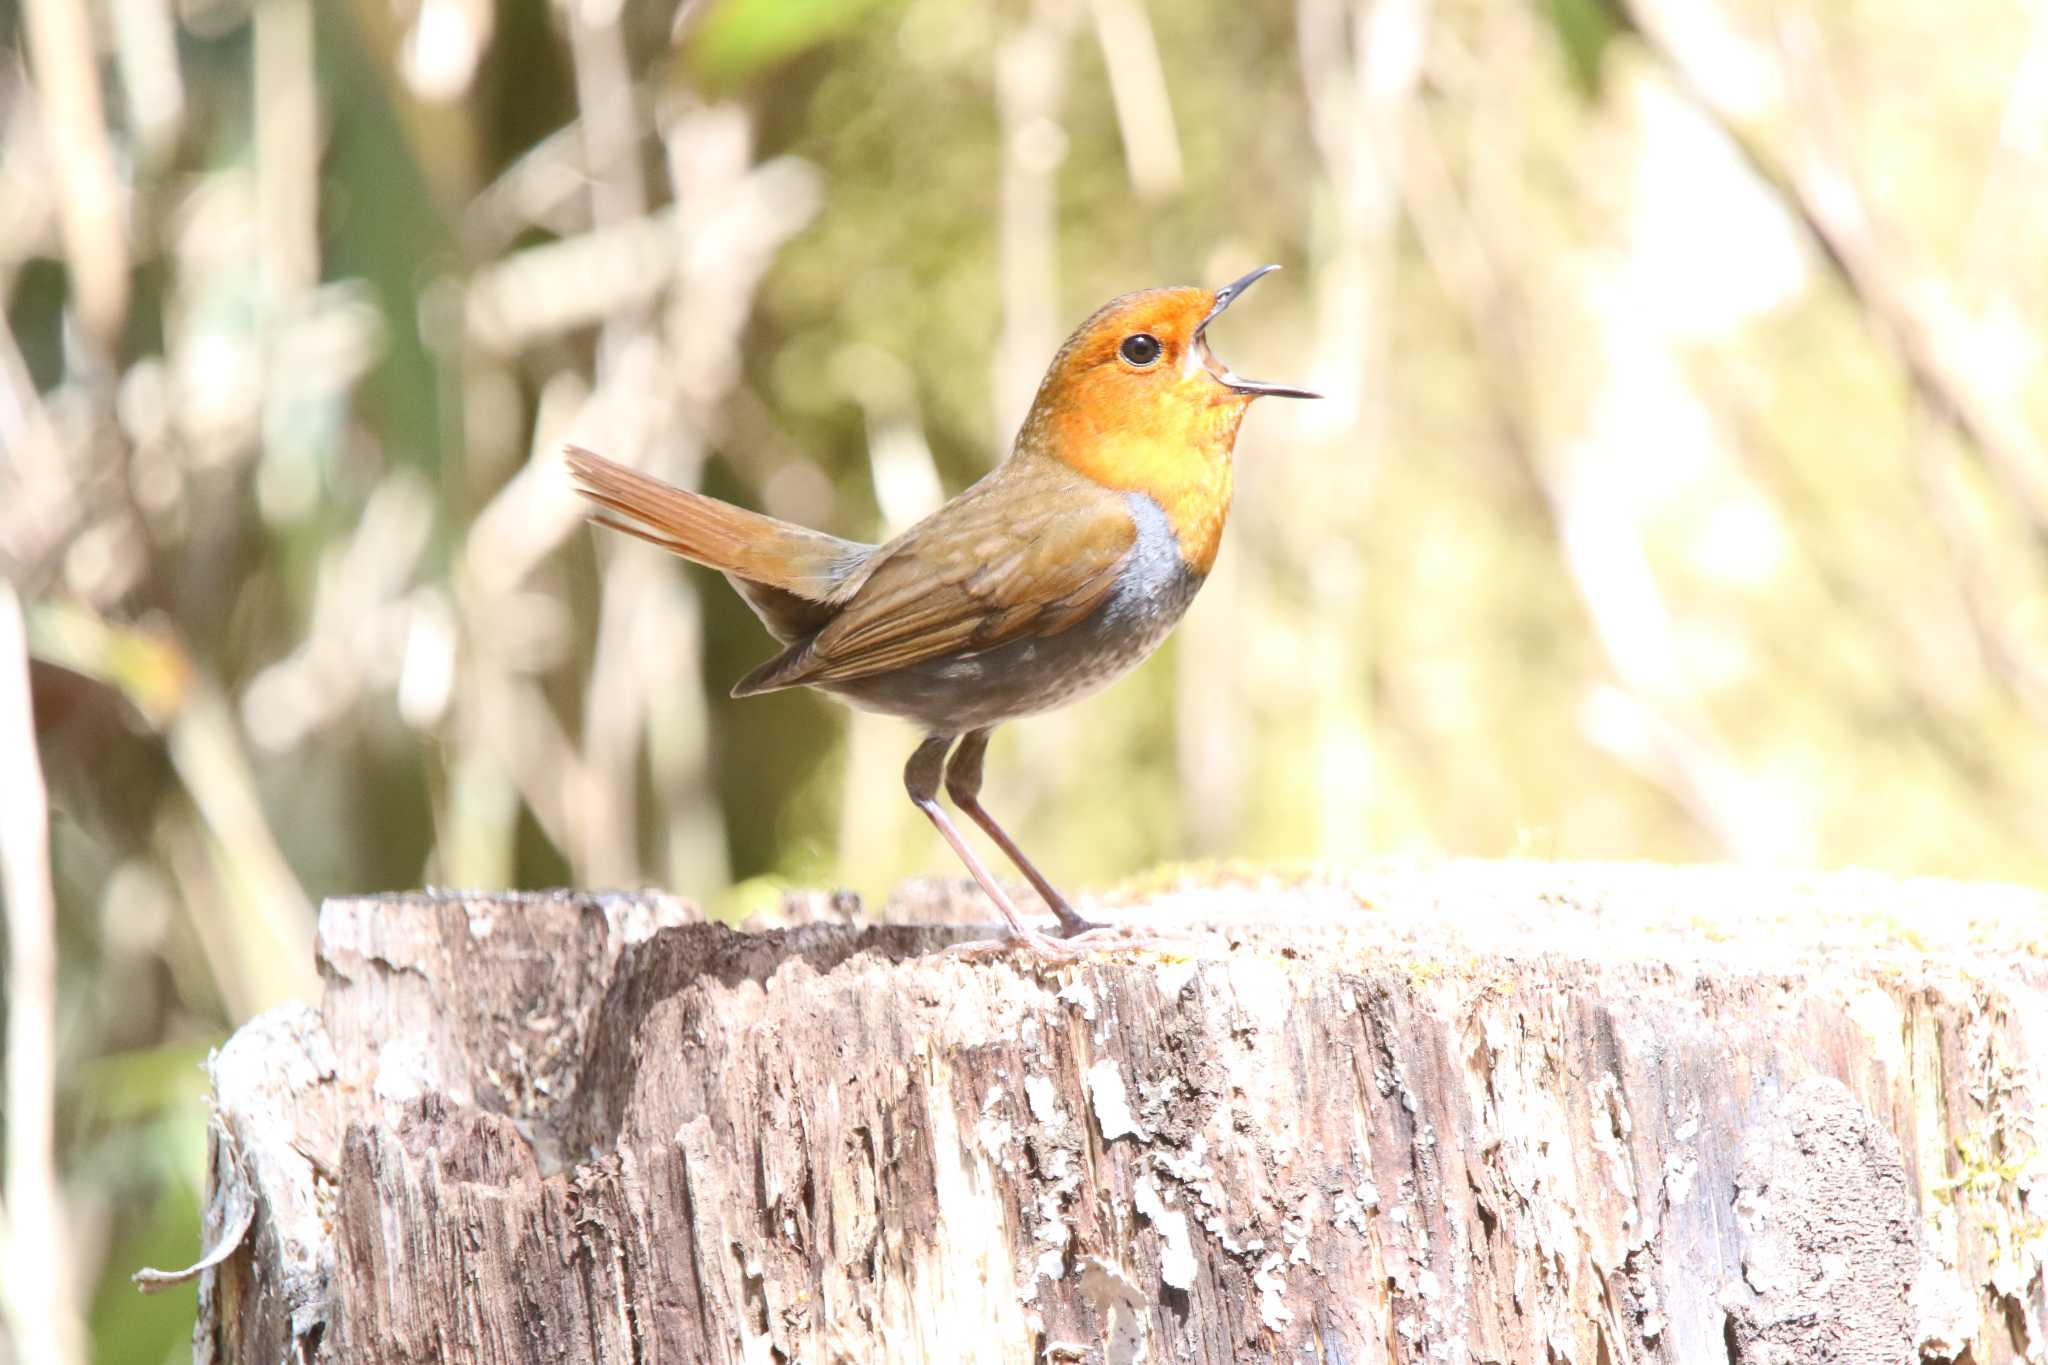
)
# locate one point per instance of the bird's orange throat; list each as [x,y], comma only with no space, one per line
[1181,459]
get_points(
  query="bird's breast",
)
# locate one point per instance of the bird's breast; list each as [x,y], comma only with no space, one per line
[1182,465]
[1155,582]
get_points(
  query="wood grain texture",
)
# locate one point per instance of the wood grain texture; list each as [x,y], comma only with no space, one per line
[1479,1112]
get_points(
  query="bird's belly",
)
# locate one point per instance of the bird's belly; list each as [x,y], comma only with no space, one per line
[955,693]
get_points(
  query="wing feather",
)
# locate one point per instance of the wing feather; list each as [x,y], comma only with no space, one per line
[1029,551]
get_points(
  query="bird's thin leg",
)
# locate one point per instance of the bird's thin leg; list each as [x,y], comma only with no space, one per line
[963,784]
[921,779]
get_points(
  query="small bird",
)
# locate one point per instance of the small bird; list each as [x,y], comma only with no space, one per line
[1061,569]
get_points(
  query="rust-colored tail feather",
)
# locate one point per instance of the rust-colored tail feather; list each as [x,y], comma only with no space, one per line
[745,545]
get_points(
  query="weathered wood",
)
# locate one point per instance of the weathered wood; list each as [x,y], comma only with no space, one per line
[1478,1112]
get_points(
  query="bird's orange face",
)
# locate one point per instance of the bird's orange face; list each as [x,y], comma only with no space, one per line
[1137,401]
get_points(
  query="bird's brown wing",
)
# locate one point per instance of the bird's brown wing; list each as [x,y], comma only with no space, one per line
[1028,551]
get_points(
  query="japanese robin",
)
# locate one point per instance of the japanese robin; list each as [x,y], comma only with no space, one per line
[1061,569]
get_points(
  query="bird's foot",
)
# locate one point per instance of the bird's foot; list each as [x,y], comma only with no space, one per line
[1072,923]
[1111,938]
[1092,940]
[1029,941]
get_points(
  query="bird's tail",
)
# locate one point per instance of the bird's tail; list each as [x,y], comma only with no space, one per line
[741,544]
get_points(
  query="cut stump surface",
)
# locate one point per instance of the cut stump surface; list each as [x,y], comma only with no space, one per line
[1473,1112]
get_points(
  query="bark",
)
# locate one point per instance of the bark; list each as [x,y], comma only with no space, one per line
[1476,1112]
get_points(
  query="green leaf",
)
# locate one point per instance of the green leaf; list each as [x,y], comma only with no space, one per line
[1584,29]
[739,37]
[130,1086]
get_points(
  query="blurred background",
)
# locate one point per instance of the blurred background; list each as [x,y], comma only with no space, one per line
[1681,492]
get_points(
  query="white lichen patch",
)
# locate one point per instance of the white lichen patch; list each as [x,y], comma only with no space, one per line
[1880,1020]
[1173,977]
[1081,996]
[1294,1234]
[1190,1169]
[1113,1103]
[1043,1097]
[1349,1208]
[1048,1268]
[407,1068]
[1052,1235]
[994,1132]
[1680,1169]
[1190,1166]
[1688,1127]
[1945,1314]
[1262,991]
[969,1248]
[1272,1286]
[1109,1290]
[1155,1096]
[637,918]
[1177,1253]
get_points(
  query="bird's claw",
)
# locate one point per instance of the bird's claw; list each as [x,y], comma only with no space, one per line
[1092,940]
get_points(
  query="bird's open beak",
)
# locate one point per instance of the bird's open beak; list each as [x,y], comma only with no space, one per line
[1221,372]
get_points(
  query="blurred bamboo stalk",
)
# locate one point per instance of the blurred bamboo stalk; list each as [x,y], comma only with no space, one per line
[543,187]
[679,753]
[1925,678]
[633,630]
[2008,656]
[146,51]
[1031,82]
[41,1300]
[441,129]
[66,67]
[493,764]
[257,910]
[38,487]
[1787,125]
[517,300]
[1761,102]
[1361,67]
[442,48]
[266,917]
[1652,719]
[2003,256]
[873,832]
[610,127]
[1138,89]
[615,705]
[287,150]
[667,362]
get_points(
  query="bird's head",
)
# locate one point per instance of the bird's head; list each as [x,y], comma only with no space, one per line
[1136,400]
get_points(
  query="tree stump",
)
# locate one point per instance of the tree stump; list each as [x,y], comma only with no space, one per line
[1472,1112]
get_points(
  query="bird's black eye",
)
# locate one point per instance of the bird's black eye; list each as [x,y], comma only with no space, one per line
[1140,349]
